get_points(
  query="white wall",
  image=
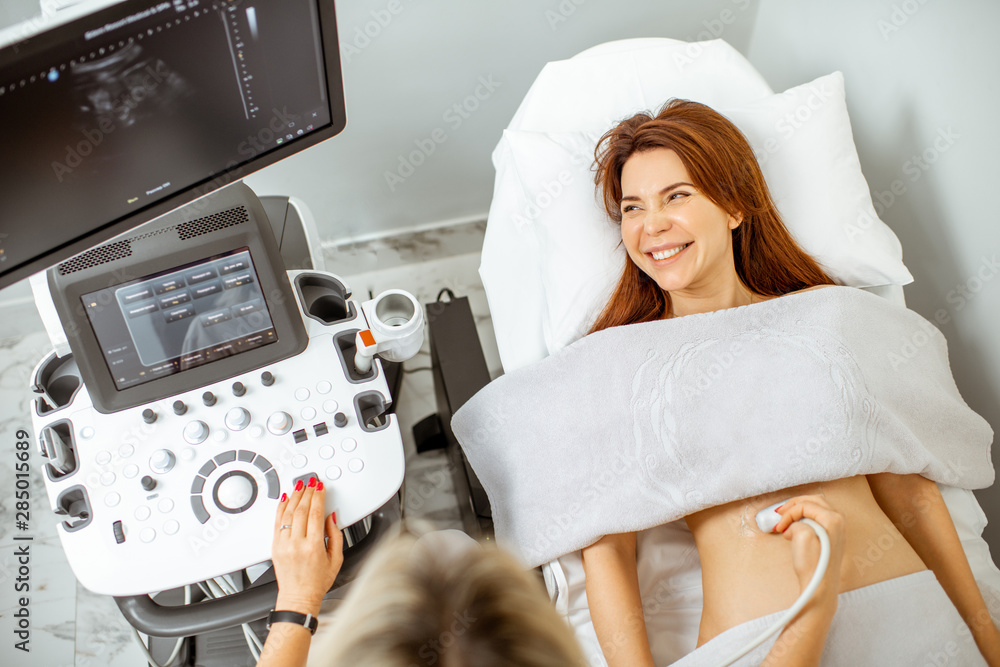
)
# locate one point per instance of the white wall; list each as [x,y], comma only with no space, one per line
[434,54]
[918,71]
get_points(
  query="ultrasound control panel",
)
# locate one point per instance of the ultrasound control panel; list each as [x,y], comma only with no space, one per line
[185,488]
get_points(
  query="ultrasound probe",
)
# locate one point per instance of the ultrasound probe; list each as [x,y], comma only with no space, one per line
[767,519]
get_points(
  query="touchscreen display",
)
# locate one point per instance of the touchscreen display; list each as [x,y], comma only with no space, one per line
[189,316]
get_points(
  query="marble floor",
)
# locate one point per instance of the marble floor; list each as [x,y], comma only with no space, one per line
[69,626]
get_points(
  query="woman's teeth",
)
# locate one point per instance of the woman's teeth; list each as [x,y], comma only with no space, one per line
[666,254]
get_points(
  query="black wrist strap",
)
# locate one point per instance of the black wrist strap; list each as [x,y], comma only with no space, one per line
[305,620]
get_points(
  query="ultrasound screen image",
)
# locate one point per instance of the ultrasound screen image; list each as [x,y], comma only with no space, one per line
[161,98]
[183,318]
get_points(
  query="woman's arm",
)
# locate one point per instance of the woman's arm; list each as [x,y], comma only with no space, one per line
[615,605]
[914,504]
[305,569]
[801,642]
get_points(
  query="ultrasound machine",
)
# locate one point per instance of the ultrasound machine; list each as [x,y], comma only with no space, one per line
[203,361]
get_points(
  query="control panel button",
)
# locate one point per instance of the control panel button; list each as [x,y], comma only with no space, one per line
[244,455]
[226,457]
[272,483]
[330,406]
[147,535]
[321,429]
[179,407]
[301,394]
[199,509]
[257,432]
[333,472]
[261,463]
[239,389]
[165,505]
[355,465]
[324,387]
[237,419]
[326,452]
[299,461]
[187,454]
[148,483]
[208,398]
[266,378]
[207,469]
[130,471]
[112,499]
[235,492]
[126,451]
[119,533]
[198,484]
[349,444]
[279,423]
[142,513]
[162,461]
[87,432]
[300,436]
[107,478]
[171,527]
[196,432]
[148,416]
[308,414]
[340,420]
[103,457]
[220,435]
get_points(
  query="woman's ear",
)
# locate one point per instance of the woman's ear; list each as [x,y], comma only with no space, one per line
[735,220]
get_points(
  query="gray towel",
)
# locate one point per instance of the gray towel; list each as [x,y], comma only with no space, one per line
[639,425]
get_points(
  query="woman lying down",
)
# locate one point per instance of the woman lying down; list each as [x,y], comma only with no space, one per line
[711,268]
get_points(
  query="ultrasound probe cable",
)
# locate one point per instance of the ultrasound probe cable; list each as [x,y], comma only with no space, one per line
[824,561]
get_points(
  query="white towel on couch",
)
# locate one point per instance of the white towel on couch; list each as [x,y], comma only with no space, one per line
[636,426]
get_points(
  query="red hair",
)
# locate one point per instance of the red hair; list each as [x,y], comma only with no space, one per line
[722,166]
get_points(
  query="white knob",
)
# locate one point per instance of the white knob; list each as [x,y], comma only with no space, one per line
[235,492]
[237,419]
[161,461]
[195,432]
[279,423]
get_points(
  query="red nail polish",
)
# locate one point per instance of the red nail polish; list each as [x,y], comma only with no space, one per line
[312,482]
[298,485]
[284,497]
[778,508]
[319,487]
[334,514]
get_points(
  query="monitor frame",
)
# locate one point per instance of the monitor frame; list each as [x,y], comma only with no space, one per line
[38,43]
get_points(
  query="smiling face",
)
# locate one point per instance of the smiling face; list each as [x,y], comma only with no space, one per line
[675,234]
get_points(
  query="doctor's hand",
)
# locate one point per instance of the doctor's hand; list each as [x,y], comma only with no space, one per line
[805,543]
[304,566]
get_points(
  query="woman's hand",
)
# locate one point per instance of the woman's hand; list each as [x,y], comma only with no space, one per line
[805,543]
[801,642]
[304,566]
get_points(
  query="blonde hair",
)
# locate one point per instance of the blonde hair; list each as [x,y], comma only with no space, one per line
[418,606]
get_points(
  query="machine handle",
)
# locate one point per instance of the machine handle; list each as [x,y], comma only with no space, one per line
[149,617]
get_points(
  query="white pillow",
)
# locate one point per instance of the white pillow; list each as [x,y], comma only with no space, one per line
[803,141]
[588,92]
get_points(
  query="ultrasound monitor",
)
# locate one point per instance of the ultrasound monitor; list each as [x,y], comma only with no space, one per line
[125,114]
